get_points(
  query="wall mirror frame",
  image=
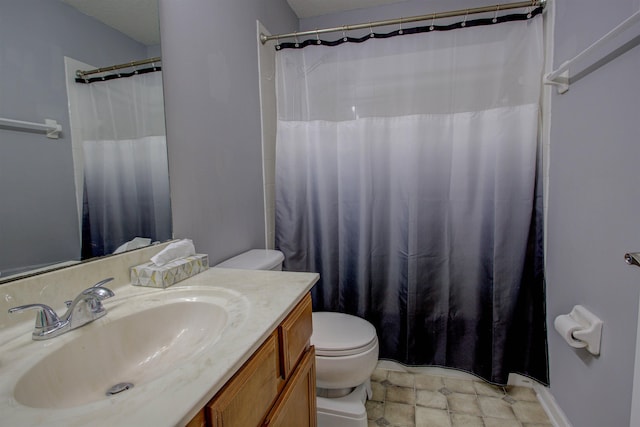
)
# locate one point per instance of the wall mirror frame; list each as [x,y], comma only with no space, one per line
[43,219]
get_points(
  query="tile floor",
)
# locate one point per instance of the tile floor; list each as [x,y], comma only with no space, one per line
[402,399]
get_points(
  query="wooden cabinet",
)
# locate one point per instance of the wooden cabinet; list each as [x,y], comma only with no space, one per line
[276,386]
[200,420]
[296,405]
[248,396]
[295,334]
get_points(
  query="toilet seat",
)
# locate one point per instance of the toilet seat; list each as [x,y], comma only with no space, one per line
[339,334]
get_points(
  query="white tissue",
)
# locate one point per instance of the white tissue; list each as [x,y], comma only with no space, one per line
[137,242]
[180,249]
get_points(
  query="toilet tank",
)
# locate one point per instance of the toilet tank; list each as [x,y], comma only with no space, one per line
[255,259]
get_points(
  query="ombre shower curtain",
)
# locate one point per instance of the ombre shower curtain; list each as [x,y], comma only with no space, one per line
[126,177]
[407,173]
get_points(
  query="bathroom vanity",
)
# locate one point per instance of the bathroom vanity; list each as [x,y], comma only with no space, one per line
[276,386]
[223,348]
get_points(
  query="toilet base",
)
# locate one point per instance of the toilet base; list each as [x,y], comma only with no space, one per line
[346,411]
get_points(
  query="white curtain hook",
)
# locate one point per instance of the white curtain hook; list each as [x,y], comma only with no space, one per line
[529,11]
[318,37]
[464,23]
[344,34]
[495,16]
[400,31]
[371,30]
[295,35]
[433,20]
[278,47]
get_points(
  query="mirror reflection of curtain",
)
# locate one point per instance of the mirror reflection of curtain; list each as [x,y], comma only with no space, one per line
[406,175]
[126,181]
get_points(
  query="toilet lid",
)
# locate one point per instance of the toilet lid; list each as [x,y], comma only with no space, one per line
[339,334]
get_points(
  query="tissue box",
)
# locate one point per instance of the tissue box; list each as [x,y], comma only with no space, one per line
[149,274]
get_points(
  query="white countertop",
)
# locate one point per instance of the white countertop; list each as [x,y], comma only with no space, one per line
[259,301]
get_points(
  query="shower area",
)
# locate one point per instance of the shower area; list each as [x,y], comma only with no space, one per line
[404,164]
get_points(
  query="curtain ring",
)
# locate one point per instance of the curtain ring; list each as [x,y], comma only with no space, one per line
[318,37]
[464,23]
[344,34]
[495,16]
[371,31]
[400,30]
[433,20]
[295,35]
[278,47]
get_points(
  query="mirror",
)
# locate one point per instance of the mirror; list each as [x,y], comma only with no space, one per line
[44,220]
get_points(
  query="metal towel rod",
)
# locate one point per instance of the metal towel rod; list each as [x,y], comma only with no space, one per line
[52,127]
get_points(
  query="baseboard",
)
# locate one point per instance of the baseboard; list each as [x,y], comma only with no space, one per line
[550,406]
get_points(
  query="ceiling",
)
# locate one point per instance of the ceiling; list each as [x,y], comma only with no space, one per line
[136,18]
[309,8]
[139,18]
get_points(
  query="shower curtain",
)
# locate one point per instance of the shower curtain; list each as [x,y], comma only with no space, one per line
[126,178]
[407,176]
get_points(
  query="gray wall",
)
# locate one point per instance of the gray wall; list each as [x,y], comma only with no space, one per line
[594,208]
[210,70]
[38,214]
[396,10]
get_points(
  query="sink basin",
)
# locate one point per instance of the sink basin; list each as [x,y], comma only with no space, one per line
[118,353]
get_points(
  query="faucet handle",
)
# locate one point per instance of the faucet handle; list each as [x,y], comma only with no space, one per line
[99,292]
[102,282]
[104,294]
[46,318]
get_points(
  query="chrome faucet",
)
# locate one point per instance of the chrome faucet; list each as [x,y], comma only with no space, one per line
[85,308]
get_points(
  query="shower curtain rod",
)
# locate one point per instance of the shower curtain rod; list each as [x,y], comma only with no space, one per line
[82,74]
[399,21]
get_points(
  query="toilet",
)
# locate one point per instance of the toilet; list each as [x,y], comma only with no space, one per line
[255,259]
[346,352]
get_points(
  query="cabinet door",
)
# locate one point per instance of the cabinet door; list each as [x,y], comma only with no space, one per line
[296,406]
[295,334]
[247,397]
